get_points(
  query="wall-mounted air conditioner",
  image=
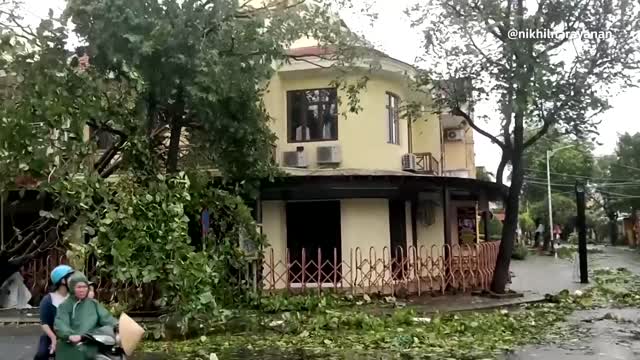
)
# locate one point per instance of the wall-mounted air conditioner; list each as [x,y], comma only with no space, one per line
[454,135]
[409,162]
[329,155]
[296,158]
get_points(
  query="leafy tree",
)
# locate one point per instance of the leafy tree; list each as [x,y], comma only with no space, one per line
[483,174]
[623,170]
[564,210]
[173,88]
[603,197]
[566,166]
[537,82]
[527,224]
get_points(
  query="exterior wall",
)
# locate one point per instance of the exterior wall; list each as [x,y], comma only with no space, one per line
[426,136]
[460,155]
[363,137]
[430,235]
[274,227]
[365,225]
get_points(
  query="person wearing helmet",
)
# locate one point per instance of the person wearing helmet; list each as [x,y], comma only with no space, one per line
[48,309]
[79,315]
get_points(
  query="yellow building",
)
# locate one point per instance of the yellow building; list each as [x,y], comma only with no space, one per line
[369,196]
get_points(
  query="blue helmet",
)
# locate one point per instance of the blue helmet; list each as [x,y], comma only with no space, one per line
[60,272]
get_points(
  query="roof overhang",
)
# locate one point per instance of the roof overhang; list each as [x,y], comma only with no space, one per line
[340,184]
[318,58]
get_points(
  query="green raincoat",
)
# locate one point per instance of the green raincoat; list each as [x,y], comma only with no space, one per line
[78,317]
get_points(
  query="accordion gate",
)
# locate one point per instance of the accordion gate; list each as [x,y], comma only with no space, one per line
[417,270]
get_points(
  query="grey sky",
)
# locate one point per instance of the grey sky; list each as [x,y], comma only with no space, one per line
[392,34]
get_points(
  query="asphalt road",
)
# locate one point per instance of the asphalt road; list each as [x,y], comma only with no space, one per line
[18,342]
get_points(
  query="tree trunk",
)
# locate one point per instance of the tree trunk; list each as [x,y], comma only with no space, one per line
[613,231]
[511,209]
[500,172]
[176,132]
[174,148]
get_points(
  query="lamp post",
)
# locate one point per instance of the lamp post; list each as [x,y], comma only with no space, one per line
[549,155]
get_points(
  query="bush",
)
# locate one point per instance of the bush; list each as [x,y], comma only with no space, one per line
[573,238]
[520,252]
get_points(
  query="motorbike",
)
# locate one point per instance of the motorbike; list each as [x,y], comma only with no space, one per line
[107,340]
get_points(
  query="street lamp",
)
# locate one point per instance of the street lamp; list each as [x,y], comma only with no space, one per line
[549,155]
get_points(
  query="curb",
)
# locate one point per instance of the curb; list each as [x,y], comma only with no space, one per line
[424,309]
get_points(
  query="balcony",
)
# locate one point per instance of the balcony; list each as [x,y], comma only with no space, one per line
[426,163]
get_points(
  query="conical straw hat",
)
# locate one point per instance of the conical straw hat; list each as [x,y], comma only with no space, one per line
[130,333]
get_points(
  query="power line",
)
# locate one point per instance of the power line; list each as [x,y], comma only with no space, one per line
[577,176]
[552,184]
[597,184]
[624,196]
[625,166]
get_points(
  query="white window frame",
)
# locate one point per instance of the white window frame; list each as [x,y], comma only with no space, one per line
[393,118]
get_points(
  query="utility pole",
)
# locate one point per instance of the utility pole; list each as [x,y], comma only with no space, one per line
[549,155]
[582,232]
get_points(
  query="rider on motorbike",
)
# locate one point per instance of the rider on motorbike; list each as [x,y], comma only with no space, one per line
[77,316]
[48,309]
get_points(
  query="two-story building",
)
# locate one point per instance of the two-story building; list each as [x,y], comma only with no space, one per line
[370,200]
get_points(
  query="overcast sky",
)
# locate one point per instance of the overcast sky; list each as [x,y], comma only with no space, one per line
[392,34]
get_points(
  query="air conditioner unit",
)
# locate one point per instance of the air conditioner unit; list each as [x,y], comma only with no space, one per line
[295,159]
[329,154]
[409,162]
[454,135]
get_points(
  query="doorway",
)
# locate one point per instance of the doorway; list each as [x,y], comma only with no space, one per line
[398,234]
[315,228]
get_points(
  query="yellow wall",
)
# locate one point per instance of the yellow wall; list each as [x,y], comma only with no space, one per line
[459,155]
[365,225]
[363,137]
[274,227]
[430,235]
[426,136]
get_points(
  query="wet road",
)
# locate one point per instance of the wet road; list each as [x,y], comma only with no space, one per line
[610,335]
[18,342]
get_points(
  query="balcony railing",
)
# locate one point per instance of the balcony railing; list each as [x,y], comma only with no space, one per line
[426,163]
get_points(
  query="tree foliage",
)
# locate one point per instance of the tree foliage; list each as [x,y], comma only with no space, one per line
[564,210]
[566,166]
[172,90]
[623,169]
[480,51]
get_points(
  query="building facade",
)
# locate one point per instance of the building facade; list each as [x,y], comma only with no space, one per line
[371,201]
